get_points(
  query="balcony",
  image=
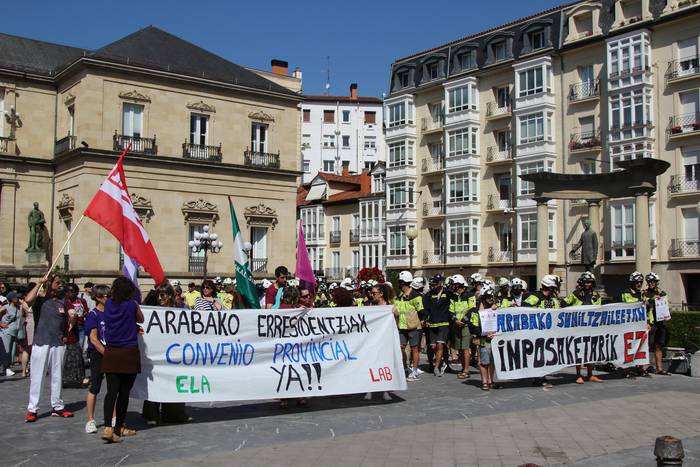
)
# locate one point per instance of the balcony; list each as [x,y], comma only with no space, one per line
[64,144]
[265,160]
[494,111]
[400,129]
[369,234]
[584,91]
[430,125]
[7,145]
[201,152]
[682,126]
[138,144]
[433,165]
[499,256]
[433,209]
[683,69]
[584,142]
[499,155]
[683,185]
[684,248]
[258,265]
[196,264]
[334,273]
[434,257]
[495,204]
[335,236]
[355,236]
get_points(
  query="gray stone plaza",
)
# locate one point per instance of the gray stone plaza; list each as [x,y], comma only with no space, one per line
[437,421]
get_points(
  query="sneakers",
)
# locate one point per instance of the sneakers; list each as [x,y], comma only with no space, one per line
[30,417]
[9,372]
[91,427]
[63,413]
[436,372]
[412,376]
[418,371]
[386,396]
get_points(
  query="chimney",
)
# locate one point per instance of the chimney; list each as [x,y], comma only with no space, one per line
[365,182]
[297,73]
[279,67]
[346,169]
[353,91]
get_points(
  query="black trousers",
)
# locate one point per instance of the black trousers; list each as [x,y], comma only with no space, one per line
[118,388]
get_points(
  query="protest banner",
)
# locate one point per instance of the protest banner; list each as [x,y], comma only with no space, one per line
[193,356]
[533,342]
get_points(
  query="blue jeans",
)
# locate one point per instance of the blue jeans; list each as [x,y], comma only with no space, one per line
[7,356]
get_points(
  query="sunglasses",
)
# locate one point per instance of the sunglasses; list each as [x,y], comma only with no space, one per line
[305,296]
[163,294]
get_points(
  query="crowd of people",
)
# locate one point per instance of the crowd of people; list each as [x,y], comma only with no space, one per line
[53,328]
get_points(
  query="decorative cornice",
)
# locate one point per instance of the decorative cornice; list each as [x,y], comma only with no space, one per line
[202,106]
[142,206]
[68,99]
[134,96]
[261,215]
[262,116]
[200,210]
[65,207]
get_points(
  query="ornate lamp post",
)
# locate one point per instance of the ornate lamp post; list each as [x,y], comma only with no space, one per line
[411,235]
[206,242]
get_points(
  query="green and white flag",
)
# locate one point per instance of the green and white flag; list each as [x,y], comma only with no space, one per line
[244,278]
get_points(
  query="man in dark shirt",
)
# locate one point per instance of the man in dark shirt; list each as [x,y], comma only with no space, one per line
[281,274]
[437,318]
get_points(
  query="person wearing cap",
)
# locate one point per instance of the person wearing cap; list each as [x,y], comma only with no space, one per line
[584,294]
[9,328]
[437,318]
[546,297]
[191,294]
[86,295]
[658,334]
[460,304]
[634,295]
[486,300]
[409,310]
[517,294]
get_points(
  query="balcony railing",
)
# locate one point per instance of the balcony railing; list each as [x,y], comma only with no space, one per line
[138,144]
[628,71]
[258,265]
[265,160]
[432,123]
[372,232]
[685,248]
[64,144]
[499,256]
[5,144]
[494,109]
[335,236]
[683,184]
[201,152]
[354,235]
[434,256]
[494,202]
[584,90]
[499,153]
[431,209]
[334,273]
[196,264]
[686,123]
[584,141]
[432,164]
[683,68]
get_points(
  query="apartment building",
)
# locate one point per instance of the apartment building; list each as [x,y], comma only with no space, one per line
[573,89]
[201,128]
[340,129]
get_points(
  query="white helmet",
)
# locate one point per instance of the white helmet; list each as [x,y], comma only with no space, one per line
[333,285]
[228,281]
[652,276]
[418,283]
[476,278]
[636,276]
[293,282]
[218,280]
[174,282]
[487,289]
[459,279]
[518,282]
[405,276]
[503,282]
[266,283]
[347,284]
[550,280]
[488,282]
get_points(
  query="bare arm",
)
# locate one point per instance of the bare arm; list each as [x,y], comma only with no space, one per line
[32,294]
[139,315]
[96,342]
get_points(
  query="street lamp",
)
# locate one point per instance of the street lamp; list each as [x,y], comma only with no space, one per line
[411,235]
[206,242]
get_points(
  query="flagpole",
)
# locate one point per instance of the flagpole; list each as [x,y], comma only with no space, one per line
[65,244]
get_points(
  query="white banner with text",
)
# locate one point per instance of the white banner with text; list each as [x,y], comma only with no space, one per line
[229,355]
[533,342]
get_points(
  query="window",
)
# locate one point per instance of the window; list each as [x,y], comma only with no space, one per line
[691,169]
[370,142]
[370,118]
[369,165]
[588,167]
[464,236]
[500,50]
[397,240]
[622,230]
[307,115]
[71,115]
[528,188]
[531,81]
[258,137]
[401,195]
[335,260]
[132,121]
[467,60]
[433,70]
[528,231]
[346,141]
[402,79]
[464,187]
[503,97]
[585,73]
[627,56]
[329,116]
[346,116]
[313,222]
[356,260]
[316,257]
[436,235]
[687,56]
[503,140]
[328,141]
[626,152]
[372,218]
[305,141]
[400,154]
[400,114]
[537,40]
[198,129]
[462,98]
[531,128]
[373,255]
[630,112]
[258,236]
[505,236]
[335,223]
[463,141]
[329,166]
[378,183]
[306,166]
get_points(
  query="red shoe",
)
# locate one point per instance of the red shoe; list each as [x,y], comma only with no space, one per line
[61,413]
[30,417]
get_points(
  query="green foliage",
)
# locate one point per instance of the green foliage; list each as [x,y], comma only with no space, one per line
[683,330]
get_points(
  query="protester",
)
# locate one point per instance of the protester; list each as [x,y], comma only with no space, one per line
[208,300]
[49,347]
[306,300]
[9,328]
[25,333]
[635,295]
[262,291]
[487,299]
[191,294]
[382,295]
[180,301]
[658,334]
[227,294]
[502,289]
[461,335]
[546,297]
[517,294]
[121,361]
[272,292]
[95,331]
[584,294]
[437,318]
[409,310]
[341,297]
[73,364]
[86,296]
[290,299]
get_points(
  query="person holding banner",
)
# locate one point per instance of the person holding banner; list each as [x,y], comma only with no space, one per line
[381,295]
[546,297]
[460,304]
[409,311]
[208,300]
[634,295]
[517,293]
[658,334]
[487,300]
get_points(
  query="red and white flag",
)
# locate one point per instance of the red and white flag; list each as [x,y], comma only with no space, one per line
[112,209]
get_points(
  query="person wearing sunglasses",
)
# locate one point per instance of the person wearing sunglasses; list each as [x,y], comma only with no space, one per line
[208,300]
[306,300]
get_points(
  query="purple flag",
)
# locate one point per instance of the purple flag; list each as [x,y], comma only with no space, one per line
[304,271]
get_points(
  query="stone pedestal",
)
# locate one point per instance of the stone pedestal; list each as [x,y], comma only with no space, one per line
[36,259]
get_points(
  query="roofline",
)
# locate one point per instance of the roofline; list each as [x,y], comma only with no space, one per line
[348,99]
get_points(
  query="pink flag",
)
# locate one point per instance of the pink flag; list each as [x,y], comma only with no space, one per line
[304,271]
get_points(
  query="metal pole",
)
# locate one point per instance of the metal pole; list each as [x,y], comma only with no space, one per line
[410,256]
[206,258]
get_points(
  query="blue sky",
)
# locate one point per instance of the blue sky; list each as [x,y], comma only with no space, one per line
[362,37]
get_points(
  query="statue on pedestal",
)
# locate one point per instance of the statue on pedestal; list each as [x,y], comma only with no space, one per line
[588,244]
[37,222]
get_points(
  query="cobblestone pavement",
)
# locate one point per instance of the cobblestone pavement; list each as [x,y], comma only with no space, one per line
[437,421]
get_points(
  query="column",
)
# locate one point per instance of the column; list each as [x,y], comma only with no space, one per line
[542,238]
[641,233]
[594,217]
[8,189]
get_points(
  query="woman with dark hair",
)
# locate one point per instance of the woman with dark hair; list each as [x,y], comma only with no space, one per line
[382,295]
[342,297]
[121,361]
[73,363]
[208,300]
[95,329]
[290,297]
